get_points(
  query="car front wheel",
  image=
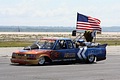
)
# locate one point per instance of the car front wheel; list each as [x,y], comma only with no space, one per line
[41,60]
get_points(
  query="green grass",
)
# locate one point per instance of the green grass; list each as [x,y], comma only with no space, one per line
[110,42]
[27,43]
[15,44]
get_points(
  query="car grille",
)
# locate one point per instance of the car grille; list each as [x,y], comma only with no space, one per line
[20,54]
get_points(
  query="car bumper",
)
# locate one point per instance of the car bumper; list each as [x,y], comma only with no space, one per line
[22,61]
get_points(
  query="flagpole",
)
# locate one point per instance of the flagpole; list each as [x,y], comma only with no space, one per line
[76,22]
[95,39]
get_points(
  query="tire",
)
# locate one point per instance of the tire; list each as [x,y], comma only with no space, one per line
[41,60]
[91,59]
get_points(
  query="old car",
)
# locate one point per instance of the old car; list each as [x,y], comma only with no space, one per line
[49,50]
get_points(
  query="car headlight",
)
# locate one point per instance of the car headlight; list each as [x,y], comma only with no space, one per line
[13,55]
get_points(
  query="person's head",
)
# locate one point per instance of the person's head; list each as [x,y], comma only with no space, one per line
[80,41]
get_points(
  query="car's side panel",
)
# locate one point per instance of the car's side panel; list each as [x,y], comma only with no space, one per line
[79,54]
[65,55]
[84,52]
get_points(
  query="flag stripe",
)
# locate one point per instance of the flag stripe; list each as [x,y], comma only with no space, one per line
[85,23]
[88,28]
[99,29]
[94,19]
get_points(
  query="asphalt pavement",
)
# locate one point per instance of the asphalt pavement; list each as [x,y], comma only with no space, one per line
[108,69]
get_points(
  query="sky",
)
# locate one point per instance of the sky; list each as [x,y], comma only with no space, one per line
[57,12]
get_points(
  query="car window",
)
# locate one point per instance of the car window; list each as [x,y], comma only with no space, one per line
[61,44]
[57,47]
[34,46]
[47,45]
[70,44]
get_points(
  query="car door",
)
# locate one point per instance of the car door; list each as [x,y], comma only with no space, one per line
[66,50]
[71,52]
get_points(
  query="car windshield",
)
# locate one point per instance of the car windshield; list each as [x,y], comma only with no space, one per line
[46,44]
[41,44]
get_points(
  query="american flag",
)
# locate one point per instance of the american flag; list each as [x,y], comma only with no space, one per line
[87,23]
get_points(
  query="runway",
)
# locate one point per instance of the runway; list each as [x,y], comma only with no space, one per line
[108,69]
[103,70]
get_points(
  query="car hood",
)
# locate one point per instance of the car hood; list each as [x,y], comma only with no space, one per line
[31,51]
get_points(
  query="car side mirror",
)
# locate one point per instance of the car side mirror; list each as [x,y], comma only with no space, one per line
[74,33]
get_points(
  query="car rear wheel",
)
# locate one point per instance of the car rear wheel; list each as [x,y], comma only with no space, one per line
[91,58]
[41,60]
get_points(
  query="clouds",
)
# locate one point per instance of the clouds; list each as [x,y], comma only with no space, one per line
[34,11]
[56,12]
[34,8]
